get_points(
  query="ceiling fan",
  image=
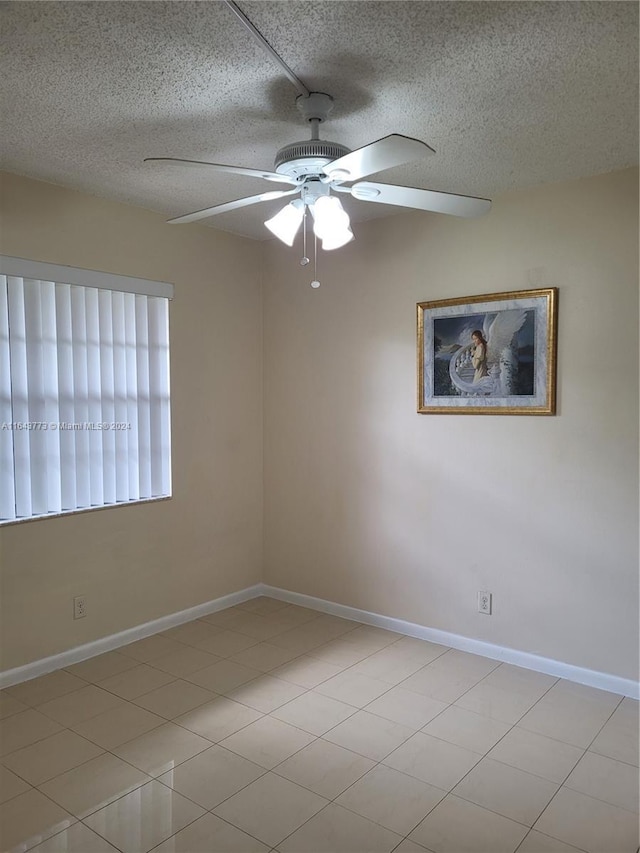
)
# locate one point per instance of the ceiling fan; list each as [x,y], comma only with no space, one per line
[318,171]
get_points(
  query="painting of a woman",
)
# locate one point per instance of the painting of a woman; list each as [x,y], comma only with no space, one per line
[479,356]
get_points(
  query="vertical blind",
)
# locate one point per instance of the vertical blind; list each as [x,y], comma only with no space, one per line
[84,391]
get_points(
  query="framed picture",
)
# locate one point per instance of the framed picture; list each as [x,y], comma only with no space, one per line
[488,355]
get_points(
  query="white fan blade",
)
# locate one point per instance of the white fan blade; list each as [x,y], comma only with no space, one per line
[219,167]
[455,205]
[390,151]
[230,205]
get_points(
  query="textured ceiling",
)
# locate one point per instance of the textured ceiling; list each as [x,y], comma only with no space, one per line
[510,94]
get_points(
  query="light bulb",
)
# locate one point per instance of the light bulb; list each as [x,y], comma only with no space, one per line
[285,224]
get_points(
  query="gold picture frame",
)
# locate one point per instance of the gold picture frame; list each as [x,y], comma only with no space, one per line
[492,354]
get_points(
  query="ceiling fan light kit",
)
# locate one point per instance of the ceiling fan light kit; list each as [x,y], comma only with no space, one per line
[316,169]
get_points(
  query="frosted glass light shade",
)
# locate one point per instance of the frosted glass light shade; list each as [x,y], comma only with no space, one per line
[285,224]
[331,223]
[337,239]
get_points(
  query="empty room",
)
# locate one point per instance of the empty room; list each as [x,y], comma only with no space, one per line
[319,485]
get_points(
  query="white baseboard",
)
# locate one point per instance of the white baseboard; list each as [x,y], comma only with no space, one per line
[579,674]
[123,638]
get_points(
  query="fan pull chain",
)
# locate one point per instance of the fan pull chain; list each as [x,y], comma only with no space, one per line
[304,260]
[315,282]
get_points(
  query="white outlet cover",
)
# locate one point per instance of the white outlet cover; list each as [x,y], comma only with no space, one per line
[484,602]
[79,607]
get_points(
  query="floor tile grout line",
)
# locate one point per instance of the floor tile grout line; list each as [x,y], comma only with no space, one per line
[109,841]
[591,796]
[562,785]
[610,758]
[118,745]
[32,743]
[328,803]
[537,775]
[453,793]
[180,713]
[485,808]
[380,764]
[46,701]
[122,649]
[577,849]
[586,750]
[597,799]
[449,704]
[52,778]
[210,812]
[72,816]
[228,657]
[331,803]
[491,673]
[635,814]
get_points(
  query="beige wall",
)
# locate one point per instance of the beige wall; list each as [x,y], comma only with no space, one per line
[371,505]
[366,502]
[137,563]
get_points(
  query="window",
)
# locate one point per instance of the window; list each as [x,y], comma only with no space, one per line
[84,389]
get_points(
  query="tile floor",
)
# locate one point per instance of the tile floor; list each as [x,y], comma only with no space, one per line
[270,727]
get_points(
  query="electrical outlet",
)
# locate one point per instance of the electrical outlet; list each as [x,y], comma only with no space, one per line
[484,603]
[79,606]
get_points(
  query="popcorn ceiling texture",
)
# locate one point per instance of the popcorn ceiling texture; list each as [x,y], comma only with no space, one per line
[510,94]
